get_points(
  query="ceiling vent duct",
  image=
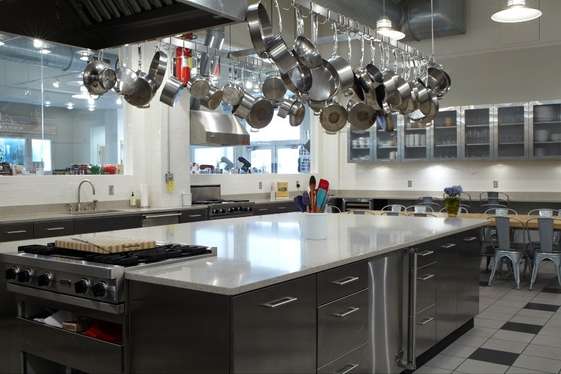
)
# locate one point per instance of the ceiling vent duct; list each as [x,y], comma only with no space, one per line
[98,24]
[449,18]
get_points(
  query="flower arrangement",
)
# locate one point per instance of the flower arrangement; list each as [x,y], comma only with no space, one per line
[452,199]
[453,191]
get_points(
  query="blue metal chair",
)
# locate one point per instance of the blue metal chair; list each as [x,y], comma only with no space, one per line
[507,249]
[547,249]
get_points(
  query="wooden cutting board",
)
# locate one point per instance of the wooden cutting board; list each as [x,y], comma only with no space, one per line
[105,245]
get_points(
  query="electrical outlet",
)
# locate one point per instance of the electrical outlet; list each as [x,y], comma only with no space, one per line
[495,184]
[298,185]
[410,183]
[111,190]
[260,185]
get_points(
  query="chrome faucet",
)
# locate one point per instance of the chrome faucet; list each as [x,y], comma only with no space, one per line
[80,188]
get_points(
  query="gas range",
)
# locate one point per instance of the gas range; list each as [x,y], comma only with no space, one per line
[86,279]
[229,208]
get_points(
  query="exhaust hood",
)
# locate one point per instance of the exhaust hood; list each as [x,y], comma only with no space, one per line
[217,129]
[98,24]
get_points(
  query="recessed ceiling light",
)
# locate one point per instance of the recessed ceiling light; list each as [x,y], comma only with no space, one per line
[516,11]
[47,103]
[38,43]
[70,105]
[1,43]
[44,51]
[56,84]
[91,108]
[85,54]
[385,28]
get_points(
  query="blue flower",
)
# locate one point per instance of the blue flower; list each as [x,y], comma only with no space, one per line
[453,191]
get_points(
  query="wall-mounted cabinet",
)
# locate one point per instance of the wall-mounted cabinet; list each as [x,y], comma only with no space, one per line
[478,134]
[545,131]
[514,131]
[415,141]
[511,131]
[446,134]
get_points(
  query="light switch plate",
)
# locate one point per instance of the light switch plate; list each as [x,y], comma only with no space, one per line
[111,190]
[260,185]
[410,183]
[495,184]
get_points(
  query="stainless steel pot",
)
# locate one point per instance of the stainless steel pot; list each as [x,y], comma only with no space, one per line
[333,118]
[281,55]
[274,88]
[232,93]
[257,112]
[199,87]
[99,77]
[307,53]
[345,74]
[157,70]
[294,109]
[214,98]
[260,28]
[171,91]
[438,80]
[360,115]
[325,82]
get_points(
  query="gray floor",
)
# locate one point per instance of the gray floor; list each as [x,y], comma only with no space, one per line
[516,332]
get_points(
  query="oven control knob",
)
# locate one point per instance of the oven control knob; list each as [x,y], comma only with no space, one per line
[45,279]
[25,276]
[82,286]
[99,289]
[12,273]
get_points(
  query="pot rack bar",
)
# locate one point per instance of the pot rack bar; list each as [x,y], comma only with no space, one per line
[345,23]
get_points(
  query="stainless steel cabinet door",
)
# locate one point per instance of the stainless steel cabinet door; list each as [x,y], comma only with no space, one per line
[469,258]
[446,293]
[274,329]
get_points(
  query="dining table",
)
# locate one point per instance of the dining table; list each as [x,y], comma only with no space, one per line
[520,221]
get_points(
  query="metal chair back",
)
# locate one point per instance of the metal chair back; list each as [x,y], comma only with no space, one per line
[546,231]
[394,208]
[502,211]
[419,209]
[503,232]
[542,212]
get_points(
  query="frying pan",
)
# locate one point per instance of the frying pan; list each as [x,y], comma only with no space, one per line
[333,118]
[273,88]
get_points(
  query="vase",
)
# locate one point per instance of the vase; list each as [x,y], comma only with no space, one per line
[452,205]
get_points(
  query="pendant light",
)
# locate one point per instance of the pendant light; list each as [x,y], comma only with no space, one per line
[384,26]
[516,11]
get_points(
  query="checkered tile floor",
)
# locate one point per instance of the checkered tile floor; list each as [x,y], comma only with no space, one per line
[516,332]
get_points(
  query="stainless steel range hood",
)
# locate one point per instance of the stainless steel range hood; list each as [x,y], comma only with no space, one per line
[216,129]
[98,24]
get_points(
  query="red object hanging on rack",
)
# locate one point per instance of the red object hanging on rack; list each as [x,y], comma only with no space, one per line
[183,64]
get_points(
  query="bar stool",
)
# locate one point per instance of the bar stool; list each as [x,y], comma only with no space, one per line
[547,249]
[542,212]
[506,249]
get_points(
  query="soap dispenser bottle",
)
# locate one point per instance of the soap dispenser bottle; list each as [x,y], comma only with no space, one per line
[132,201]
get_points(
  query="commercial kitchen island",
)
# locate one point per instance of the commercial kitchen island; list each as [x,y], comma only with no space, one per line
[375,295]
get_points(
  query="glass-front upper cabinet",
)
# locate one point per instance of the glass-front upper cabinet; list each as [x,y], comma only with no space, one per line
[446,134]
[478,137]
[386,143]
[415,141]
[511,131]
[360,145]
[545,132]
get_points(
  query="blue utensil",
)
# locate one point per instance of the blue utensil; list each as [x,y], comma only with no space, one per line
[306,200]
[298,200]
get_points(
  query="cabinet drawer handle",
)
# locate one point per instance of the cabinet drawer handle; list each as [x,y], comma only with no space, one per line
[426,277]
[425,253]
[55,228]
[16,232]
[282,207]
[165,215]
[351,310]
[263,209]
[195,215]
[345,281]
[470,239]
[426,321]
[348,369]
[448,246]
[280,302]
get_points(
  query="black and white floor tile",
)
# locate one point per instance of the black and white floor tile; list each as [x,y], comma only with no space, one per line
[516,332]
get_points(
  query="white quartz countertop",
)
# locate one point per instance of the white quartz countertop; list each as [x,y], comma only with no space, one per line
[255,252]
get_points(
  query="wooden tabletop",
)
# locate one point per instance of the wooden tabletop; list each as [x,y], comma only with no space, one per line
[517,221]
